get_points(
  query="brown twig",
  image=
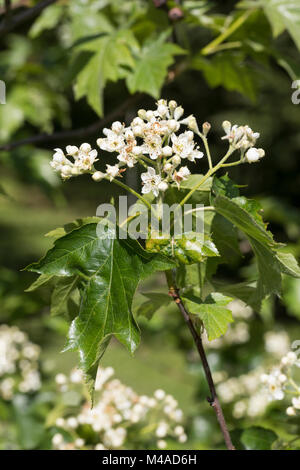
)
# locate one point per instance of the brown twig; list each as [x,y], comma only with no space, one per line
[213,399]
[24,16]
[74,133]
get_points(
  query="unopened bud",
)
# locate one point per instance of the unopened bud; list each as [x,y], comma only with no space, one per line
[226,126]
[175,14]
[142,113]
[192,124]
[98,176]
[206,128]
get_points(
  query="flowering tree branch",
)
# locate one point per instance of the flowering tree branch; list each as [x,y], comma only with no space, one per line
[213,399]
[21,18]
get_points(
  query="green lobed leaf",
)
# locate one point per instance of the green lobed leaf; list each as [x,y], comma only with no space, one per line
[109,270]
[284,14]
[213,313]
[112,55]
[229,70]
[151,302]
[151,65]
[61,295]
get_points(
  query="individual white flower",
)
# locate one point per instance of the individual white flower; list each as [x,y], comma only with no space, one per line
[150,182]
[290,411]
[161,444]
[152,146]
[79,442]
[159,394]
[112,171]
[296,402]
[72,422]
[182,438]
[289,359]
[181,175]
[254,154]
[178,430]
[114,142]
[61,379]
[85,158]
[57,439]
[184,146]
[162,429]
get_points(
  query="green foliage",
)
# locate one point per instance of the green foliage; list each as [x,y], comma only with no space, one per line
[151,66]
[109,272]
[212,312]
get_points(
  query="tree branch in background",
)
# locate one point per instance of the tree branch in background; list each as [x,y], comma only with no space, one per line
[213,399]
[20,18]
[74,133]
[7,18]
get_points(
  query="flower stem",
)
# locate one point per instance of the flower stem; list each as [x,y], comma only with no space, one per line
[212,46]
[206,176]
[213,399]
[132,191]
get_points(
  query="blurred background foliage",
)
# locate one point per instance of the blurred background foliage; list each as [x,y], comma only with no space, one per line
[72,67]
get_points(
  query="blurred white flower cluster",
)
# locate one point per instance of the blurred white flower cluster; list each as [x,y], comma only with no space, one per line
[119,419]
[251,393]
[155,139]
[19,371]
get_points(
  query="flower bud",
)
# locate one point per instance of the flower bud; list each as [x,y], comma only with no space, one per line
[117,126]
[162,110]
[163,186]
[252,155]
[85,148]
[192,124]
[178,112]
[149,115]
[167,151]
[290,411]
[168,167]
[72,150]
[176,160]
[226,126]
[98,176]
[142,113]
[173,125]
[172,105]
[206,128]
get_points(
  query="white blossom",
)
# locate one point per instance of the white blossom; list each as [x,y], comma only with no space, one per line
[151,182]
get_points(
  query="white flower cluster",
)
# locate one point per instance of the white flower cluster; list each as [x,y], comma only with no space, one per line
[280,380]
[118,412]
[151,136]
[18,363]
[155,139]
[83,157]
[243,138]
[251,393]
